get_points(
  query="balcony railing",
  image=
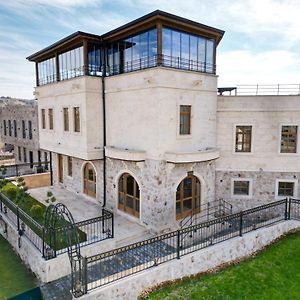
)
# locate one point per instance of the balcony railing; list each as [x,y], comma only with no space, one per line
[133,65]
[260,90]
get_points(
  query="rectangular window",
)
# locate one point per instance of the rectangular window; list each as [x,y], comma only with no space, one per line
[24,155]
[43,114]
[9,127]
[39,156]
[289,139]
[4,127]
[241,187]
[15,128]
[76,119]
[50,116]
[23,129]
[185,119]
[286,189]
[243,135]
[66,119]
[70,166]
[30,129]
[19,154]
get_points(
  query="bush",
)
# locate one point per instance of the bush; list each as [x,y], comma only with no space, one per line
[11,192]
[36,211]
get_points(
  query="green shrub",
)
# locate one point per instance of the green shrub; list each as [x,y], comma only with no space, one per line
[11,192]
[36,211]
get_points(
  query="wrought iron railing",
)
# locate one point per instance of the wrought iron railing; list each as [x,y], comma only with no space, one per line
[260,90]
[208,211]
[50,243]
[113,265]
[25,169]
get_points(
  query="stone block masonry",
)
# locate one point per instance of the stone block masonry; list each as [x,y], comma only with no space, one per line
[131,287]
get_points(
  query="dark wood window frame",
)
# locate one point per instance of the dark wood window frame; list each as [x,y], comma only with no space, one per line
[89,180]
[43,118]
[76,115]
[66,119]
[129,202]
[185,119]
[51,120]
[289,139]
[285,188]
[70,166]
[243,138]
[188,191]
[241,187]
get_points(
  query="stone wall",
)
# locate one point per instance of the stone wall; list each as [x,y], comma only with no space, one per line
[158,181]
[200,261]
[74,183]
[263,187]
[37,180]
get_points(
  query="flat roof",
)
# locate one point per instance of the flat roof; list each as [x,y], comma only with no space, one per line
[155,15]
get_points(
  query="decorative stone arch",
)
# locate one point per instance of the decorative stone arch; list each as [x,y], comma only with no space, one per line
[128,193]
[89,173]
[189,195]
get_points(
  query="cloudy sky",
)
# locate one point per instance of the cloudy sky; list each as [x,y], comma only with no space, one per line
[261,43]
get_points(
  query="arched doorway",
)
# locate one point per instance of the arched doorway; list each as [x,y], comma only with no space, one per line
[89,180]
[188,197]
[129,195]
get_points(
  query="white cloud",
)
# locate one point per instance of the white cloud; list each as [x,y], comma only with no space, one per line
[245,67]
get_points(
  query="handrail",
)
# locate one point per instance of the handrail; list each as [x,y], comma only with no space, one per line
[261,90]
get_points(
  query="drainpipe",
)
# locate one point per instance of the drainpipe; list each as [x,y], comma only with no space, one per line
[104,124]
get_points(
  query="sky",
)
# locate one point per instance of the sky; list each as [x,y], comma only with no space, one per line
[261,44]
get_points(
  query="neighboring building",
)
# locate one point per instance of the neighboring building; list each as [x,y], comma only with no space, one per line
[258,138]
[133,118]
[19,129]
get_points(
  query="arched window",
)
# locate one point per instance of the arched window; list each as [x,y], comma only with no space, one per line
[188,197]
[89,180]
[129,195]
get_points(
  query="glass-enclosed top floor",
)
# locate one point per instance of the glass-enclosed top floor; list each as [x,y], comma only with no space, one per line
[162,45]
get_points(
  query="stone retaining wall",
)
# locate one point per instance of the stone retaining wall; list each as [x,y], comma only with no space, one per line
[200,261]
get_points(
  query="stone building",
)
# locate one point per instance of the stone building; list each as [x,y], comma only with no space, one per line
[134,122]
[19,129]
[258,138]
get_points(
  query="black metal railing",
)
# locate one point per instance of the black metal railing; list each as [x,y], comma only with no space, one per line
[133,65]
[25,169]
[110,266]
[208,211]
[90,231]
[260,90]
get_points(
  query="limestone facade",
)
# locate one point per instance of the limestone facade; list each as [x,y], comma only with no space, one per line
[264,166]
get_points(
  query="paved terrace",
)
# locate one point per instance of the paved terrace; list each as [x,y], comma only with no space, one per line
[83,208]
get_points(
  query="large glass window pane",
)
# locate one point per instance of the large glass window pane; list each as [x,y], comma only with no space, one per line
[94,59]
[193,52]
[185,50]
[175,49]
[136,52]
[127,54]
[152,46]
[166,46]
[47,71]
[209,56]
[144,49]
[130,183]
[71,63]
